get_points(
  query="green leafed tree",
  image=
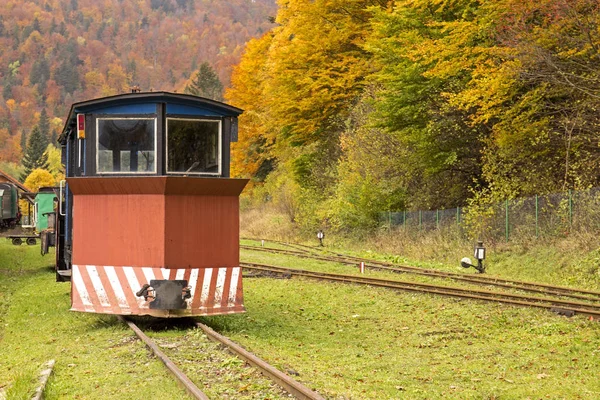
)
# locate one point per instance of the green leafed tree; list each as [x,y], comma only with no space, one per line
[423,58]
[35,153]
[23,139]
[67,74]
[44,123]
[206,83]
[40,72]
[546,139]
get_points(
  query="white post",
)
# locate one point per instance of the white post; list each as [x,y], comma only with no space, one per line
[262,243]
[362,267]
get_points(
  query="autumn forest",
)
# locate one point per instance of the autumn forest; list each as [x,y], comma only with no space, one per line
[56,52]
[352,107]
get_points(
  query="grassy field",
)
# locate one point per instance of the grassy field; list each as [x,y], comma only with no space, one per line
[95,355]
[572,260]
[347,342]
[365,343]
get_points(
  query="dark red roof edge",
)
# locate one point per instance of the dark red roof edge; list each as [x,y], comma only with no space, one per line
[13,180]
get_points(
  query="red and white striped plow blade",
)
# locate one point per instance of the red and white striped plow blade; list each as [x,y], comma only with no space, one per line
[111,290]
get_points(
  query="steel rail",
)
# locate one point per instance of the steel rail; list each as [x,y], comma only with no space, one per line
[507,298]
[293,387]
[274,250]
[189,386]
[533,287]
[298,247]
[482,278]
[375,264]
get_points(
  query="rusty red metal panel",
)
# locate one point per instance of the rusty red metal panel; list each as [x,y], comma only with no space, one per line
[177,185]
[176,222]
[204,186]
[127,231]
[117,185]
[201,231]
[119,230]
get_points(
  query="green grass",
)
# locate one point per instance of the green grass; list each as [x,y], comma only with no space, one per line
[348,342]
[569,261]
[352,269]
[366,343]
[95,355]
[217,372]
[572,261]
[379,344]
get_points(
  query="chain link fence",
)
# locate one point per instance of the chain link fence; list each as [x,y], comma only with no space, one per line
[557,214]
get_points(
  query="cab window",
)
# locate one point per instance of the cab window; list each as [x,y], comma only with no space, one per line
[125,145]
[193,146]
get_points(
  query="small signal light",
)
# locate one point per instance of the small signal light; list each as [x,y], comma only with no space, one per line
[81,126]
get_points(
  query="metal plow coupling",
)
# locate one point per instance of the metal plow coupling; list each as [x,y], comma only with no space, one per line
[560,306]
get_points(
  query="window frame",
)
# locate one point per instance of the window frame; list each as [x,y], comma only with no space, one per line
[97,145]
[219,146]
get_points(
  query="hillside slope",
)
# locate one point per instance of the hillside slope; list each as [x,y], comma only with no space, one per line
[55,52]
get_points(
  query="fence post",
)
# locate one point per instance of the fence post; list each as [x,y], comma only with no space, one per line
[437,219]
[458,216]
[537,233]
[570,208]
[507,223]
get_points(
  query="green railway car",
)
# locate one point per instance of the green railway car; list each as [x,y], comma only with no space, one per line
[9,205]
[44,206]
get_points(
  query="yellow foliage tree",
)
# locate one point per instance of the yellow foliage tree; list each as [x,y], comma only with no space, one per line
[296,85]
[11,104]
[55,166]
[37,178]
[117,80]
[254,140]
[94,79]
[316,65]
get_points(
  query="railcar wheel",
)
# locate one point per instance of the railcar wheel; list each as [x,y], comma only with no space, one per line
[17,241]
[31,241]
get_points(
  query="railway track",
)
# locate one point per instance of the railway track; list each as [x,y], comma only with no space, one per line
[558,305]
[291,386]
[483,280]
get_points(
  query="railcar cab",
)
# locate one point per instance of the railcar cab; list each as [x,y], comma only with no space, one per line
[174,151]
[156,133]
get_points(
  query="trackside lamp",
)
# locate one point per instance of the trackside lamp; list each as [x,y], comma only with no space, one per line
[479,251]
[479,256]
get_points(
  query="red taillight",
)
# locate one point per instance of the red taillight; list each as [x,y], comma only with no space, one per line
[81,126]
